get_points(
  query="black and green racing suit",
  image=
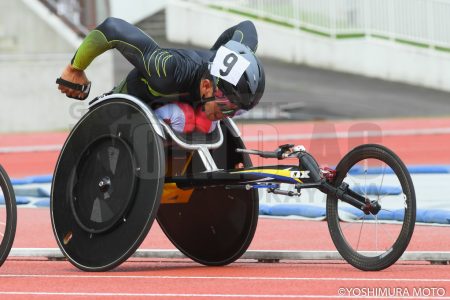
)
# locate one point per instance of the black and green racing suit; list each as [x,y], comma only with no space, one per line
[159,73]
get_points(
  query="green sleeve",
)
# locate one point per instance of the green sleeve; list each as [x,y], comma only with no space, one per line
[92,46]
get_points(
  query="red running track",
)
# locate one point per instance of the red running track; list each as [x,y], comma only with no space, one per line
[416,141]
[184,279]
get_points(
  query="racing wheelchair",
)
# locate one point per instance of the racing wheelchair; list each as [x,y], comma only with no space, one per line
[121,168]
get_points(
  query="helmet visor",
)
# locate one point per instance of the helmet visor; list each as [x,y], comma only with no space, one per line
[226,107]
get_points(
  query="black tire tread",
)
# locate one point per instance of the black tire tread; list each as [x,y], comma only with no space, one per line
[11,215]
[351,256]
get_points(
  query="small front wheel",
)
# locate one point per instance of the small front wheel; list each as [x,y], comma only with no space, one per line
[373,242]
[8,215]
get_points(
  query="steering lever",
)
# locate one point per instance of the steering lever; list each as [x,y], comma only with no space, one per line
[282,152]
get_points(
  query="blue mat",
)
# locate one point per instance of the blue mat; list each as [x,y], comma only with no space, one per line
[429,169]
[44,202]
[32,191]
[374,190]
[395,215]
[19,200]
[32,179]
[312,211]
[433,216]
[303,210]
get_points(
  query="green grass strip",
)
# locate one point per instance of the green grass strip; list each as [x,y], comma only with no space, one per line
[277,22]
[412,43]
[242,13]
[379,36]
[326,34]
[444,49]
[266,19]
[316,32]
[350,35]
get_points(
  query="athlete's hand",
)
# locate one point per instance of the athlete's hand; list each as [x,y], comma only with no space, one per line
[75,76]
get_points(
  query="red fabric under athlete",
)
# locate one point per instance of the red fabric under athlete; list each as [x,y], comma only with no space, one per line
[182,118]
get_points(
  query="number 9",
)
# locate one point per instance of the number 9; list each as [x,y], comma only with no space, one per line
[229,61]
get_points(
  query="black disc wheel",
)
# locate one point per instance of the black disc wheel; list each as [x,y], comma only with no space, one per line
[8,215]
[376,240]
[107,185]
[214,226]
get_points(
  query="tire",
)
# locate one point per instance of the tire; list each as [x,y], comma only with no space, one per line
[216,226]
[107,185]
[8,216]
[389,231]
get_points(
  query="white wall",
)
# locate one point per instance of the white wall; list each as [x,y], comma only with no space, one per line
[137,11]
[31,28]
[198,25]
[39,47]
[30,98]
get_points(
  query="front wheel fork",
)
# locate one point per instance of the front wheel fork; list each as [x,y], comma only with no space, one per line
[344,193]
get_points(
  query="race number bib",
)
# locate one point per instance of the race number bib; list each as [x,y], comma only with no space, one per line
[229,65]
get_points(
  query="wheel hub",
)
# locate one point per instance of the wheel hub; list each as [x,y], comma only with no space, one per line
[104,184]
[371,207]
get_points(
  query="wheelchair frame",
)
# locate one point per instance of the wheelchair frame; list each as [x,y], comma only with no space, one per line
[251,178]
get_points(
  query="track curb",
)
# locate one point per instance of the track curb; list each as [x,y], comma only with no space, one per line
[437,257]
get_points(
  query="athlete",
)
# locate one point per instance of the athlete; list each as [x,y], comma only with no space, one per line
[196,77]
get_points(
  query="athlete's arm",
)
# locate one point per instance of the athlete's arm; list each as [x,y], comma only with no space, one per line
[117,34]
[135,45]
[244,32]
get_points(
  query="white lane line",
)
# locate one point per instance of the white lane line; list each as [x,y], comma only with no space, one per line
[27,149]
[275,137]
[245,296]
[63,276]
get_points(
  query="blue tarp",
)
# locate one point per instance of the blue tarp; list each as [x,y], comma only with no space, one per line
[375,190]
[426,169]
[303,210]
[19,200]
[42,202]
[32,179]
[439,216]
